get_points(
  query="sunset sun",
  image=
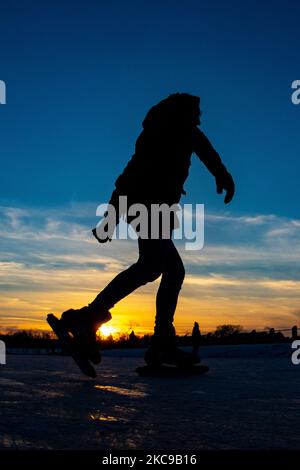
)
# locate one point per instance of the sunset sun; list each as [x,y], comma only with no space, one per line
[106,330]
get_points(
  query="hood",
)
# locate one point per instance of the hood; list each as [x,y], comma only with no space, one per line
[179,109]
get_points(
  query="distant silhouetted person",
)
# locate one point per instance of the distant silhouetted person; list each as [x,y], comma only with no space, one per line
[196,337]
[295,332]
[132,339]
[155,175]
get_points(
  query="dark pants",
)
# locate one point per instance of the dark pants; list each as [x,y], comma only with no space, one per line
[156,257]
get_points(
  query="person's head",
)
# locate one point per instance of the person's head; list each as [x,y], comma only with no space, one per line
[178,109]
[188,106]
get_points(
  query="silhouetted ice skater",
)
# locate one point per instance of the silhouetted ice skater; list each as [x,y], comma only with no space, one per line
[155,175]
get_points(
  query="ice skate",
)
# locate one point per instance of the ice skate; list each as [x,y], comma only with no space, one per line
[164,358]
[76,331]
[83,325]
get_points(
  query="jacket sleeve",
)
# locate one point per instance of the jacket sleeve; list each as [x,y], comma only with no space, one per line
[207,154]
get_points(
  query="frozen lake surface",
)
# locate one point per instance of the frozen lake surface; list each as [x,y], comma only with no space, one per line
[242,403]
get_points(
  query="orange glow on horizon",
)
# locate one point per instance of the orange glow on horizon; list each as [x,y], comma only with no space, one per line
[107,330]
[270,306]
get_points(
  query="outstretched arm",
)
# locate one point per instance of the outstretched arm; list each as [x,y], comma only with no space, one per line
[211,159]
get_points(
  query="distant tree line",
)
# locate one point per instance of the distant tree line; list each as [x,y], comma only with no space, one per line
[224,334]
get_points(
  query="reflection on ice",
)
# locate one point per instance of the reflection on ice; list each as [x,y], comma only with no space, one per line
[101,417]
[10,382]
[120,411]
[122,391]
[98,416]
[50,394]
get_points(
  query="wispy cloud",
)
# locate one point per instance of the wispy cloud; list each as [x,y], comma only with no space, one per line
[50,261]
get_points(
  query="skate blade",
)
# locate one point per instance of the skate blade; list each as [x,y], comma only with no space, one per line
[69,344]
[171,371]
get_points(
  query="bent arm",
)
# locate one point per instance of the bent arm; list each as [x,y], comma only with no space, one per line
[211,159]
[207,154]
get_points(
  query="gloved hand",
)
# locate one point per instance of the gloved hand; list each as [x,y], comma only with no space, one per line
[225,182]
[104,231]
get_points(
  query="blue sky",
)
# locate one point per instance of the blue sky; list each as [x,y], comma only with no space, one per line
[80,78]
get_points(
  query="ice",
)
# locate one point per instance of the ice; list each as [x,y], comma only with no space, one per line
[247,401]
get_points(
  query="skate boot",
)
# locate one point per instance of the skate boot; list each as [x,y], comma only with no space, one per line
[163,350]
[83,325]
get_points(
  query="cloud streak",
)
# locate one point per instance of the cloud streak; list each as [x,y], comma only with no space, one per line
[248,271]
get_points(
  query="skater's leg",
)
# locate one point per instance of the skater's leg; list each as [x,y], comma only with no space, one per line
[83,323]
[167,295]
[150,265]
[163,346]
